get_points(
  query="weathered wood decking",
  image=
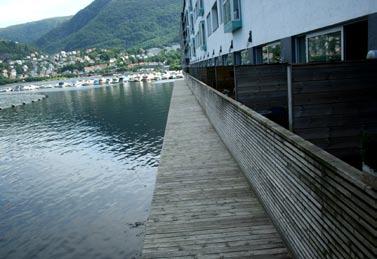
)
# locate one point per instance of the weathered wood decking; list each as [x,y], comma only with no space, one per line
[203,205]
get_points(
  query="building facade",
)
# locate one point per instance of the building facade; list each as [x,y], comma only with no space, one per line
[228,32]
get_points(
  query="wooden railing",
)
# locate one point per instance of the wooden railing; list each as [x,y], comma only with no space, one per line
[323,207]
[333,105]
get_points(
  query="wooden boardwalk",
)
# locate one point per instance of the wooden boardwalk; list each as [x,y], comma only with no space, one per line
[203,206]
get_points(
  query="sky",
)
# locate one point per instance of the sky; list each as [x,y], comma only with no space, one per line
[21,11]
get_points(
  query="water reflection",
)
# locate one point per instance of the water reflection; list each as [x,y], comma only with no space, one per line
[77,171]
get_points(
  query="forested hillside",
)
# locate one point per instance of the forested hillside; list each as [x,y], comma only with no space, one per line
[117,24]
[30,32]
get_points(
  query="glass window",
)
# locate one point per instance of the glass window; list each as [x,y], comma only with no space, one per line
[215,17]
[271,53]
[221,11]
[192,24]
[245,57]
[202,36]
[227,11]
[225,60]
[209,27]
[232,10]
[325,47]
[218,61]
[194,47]
[236,10]
[229,59]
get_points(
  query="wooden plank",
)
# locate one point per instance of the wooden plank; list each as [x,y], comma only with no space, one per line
[203,204]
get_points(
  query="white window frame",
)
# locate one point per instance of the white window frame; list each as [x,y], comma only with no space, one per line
[328,31]
[209,24]
[217,18]
[221,11]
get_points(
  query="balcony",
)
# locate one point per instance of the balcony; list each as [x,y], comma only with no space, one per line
[232,26]
[232,15]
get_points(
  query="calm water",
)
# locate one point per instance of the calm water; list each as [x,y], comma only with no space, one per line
[77,172]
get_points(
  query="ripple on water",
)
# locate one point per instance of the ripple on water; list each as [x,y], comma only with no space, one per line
[78,170]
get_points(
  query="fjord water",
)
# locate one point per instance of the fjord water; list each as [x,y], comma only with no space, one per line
[77,171]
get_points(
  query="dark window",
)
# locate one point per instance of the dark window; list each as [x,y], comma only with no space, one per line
[225,60]
[356,41]
[258,55]
[301,49]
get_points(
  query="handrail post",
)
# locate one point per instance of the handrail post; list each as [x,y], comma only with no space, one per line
[290,98]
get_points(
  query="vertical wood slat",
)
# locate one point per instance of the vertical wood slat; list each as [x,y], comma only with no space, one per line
[322,206]
[290,97]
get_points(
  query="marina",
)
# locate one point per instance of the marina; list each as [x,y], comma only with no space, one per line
[95,81]
[22,94]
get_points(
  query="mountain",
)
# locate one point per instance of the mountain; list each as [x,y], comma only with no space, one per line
[30,32]
[117,24]
[13,50]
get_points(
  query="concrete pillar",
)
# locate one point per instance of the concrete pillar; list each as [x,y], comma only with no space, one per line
[372,31]
[287,50]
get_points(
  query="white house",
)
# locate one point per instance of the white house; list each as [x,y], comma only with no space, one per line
[13,74]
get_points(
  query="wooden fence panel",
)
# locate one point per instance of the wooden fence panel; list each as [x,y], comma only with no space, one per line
[334,104]
[225,79]
[262,87]
[322,206]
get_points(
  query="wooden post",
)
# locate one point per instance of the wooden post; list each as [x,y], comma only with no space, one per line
[235,83]
[216,77]
[290,101]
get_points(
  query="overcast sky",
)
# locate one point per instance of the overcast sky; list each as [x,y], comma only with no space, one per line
[20,11]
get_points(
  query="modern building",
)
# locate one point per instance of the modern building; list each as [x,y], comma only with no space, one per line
[227,32]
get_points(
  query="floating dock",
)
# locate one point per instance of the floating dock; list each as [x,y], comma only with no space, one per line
[9,100]
[203,205]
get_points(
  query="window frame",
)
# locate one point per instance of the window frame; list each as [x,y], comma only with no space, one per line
[324,32]
[215,8]
[209,24]
[221,13]
[276,43]
[202,35]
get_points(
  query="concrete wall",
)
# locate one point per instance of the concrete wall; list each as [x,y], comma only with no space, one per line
[271,20]
[323,207]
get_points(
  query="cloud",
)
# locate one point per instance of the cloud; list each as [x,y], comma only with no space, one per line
[21,11]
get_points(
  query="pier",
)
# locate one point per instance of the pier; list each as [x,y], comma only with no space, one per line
[9,100]
[203,205]
[234,184]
